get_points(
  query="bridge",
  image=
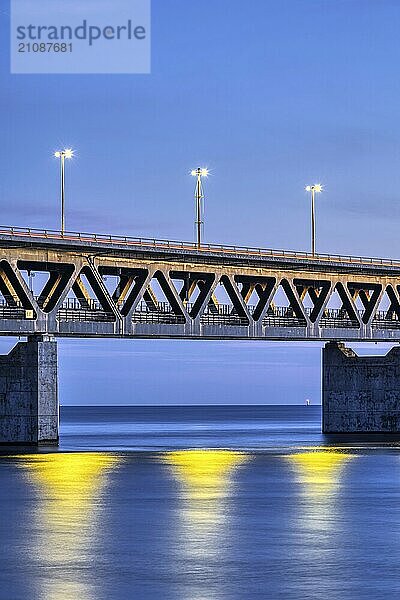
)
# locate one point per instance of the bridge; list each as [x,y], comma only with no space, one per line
[80,285]
[88,285]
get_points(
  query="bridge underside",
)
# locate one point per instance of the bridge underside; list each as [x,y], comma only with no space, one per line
[87,293]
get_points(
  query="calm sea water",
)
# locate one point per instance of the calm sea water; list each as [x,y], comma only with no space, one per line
[211,503]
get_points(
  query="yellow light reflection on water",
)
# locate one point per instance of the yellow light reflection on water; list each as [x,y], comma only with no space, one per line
[320,473]
[206,479]
[206,474]
[67,515]
[320,470]
[67,476]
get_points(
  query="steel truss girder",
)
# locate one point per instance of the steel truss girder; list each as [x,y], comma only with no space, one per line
[175,299]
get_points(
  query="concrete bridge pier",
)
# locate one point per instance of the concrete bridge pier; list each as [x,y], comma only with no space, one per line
[360,394]
[29,410]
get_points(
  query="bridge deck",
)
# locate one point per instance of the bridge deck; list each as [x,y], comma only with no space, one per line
[208,253]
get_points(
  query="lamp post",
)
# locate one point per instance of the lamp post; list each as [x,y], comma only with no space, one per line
[68,153]
[314,189]
[199,197]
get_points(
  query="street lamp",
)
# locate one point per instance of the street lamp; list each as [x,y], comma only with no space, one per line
[68,153]
[199,197]
[314,189]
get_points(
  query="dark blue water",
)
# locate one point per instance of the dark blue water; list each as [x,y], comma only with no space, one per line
[173,427]
[203,503]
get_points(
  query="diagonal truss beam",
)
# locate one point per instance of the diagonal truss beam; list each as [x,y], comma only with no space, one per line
[369,294]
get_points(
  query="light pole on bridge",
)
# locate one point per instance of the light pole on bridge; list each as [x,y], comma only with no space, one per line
[314,189]
[68,153]
[199,197]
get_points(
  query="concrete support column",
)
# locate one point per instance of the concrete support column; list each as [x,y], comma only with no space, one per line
[360,394]
[29,412]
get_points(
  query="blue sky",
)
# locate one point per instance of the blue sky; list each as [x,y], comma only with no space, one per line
[270,95]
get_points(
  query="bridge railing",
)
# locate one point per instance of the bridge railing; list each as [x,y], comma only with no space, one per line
[72,236]
[91,310]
